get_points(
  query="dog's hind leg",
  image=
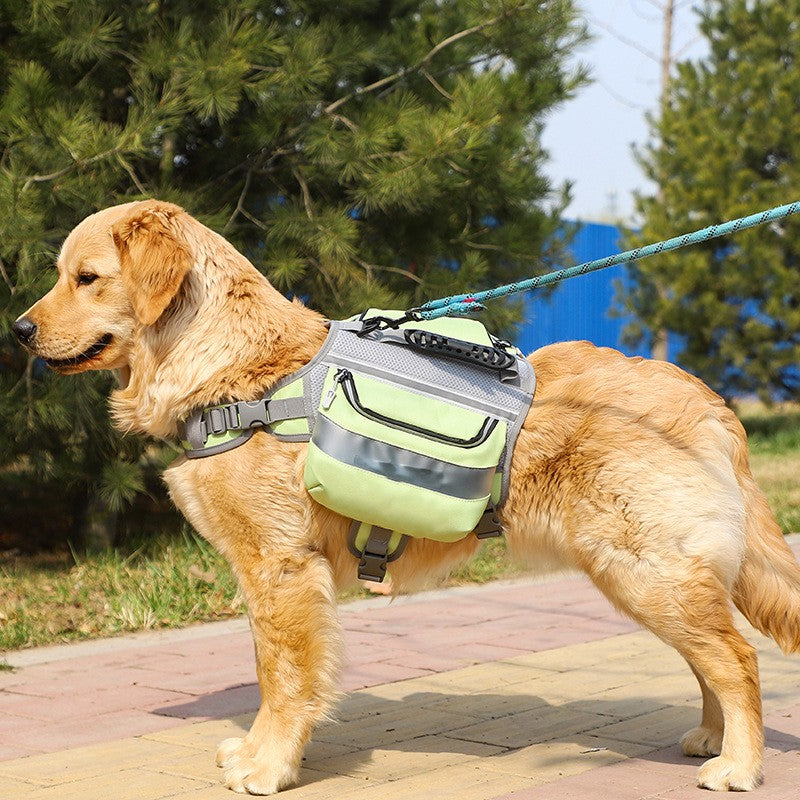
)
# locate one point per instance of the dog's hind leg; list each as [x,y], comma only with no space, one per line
[706,739]
[693,615]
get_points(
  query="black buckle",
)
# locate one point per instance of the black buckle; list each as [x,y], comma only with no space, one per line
[375,556]
[378,322]
[489,526]
[372,567]
[372,560]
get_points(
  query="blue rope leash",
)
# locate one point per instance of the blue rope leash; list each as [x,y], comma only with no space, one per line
[463,304]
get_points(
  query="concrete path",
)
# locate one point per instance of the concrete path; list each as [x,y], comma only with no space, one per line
[519,691]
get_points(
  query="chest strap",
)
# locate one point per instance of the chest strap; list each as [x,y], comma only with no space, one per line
[214,430]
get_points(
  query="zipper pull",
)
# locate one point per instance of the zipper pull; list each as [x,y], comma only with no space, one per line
[340,376]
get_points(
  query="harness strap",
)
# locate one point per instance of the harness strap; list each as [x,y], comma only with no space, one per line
[380,547]
[244,416]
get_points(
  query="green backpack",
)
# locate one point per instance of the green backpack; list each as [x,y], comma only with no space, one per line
[411,427]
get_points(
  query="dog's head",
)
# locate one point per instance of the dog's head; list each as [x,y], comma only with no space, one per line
[118,270]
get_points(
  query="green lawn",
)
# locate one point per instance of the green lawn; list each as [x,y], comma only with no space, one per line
[774,438]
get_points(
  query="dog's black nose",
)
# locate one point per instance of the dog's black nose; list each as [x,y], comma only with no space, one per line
[24,329]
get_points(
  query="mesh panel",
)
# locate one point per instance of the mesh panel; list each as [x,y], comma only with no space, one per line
[316,378]
[458,376]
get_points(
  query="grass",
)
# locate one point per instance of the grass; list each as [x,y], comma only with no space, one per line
[62,598]
[182,580]
[774,438]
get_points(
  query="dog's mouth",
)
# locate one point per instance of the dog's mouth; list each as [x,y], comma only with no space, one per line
[87,355]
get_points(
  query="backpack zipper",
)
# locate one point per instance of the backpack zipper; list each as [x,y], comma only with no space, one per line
[330,395]
[345,378]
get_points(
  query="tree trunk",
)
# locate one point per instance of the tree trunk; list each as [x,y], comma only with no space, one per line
[660,350]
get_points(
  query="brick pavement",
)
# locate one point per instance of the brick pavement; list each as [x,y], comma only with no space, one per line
[525,691]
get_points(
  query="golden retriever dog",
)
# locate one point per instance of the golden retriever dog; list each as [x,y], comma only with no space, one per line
[628,469]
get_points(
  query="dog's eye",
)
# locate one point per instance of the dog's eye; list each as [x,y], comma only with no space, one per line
[85,278]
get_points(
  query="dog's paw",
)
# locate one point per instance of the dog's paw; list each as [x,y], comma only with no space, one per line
[723,775]
[702,742]
[228,752]
[248,777]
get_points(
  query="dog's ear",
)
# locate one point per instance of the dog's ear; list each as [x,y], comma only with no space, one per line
[154,256]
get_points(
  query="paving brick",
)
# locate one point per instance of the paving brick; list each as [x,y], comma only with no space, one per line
[395,725]
[549,761]
[658,728]
[487,705]
[88,762]
[9,751]
[642,697]
[459,782]
[12,725]
[81,731]
[575,656]
[401,759]
[223,703]
[12,788]
[197,682]
[129,784]
[10,678]
[101,701]
[197,765]
[486,677]
[429,662]
[203,736]
[373,674]
[528,727]
[632,779]
[480,652]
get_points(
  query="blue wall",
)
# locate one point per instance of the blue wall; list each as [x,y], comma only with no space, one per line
[580,308]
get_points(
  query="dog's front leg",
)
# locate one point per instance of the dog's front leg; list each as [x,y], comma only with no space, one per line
[295,626]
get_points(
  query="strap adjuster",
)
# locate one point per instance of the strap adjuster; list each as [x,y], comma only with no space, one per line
[489,525]
[253,414]
[376,554]
[215,420]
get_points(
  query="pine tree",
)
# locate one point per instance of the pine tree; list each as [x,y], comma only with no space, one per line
[356,152]
[724,146]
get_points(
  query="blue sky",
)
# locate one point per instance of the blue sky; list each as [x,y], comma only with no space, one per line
[590,138]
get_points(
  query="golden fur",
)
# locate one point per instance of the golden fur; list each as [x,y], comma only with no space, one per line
[628,469]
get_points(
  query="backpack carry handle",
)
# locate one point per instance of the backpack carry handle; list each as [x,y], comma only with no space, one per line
[471,352]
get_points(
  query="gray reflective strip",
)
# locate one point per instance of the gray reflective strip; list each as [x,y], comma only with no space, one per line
[398,464]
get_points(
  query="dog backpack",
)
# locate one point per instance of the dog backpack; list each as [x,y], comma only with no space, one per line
[411,427]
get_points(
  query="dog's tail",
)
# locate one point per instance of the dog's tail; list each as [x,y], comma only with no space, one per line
[767,589]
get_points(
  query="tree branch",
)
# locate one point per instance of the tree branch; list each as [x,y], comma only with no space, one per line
[401,73]
[257,222]
[134,177]
[306,193]
[11,288]
[624,39]
[77,163]
[398,270]
[240,202]
[436,85]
